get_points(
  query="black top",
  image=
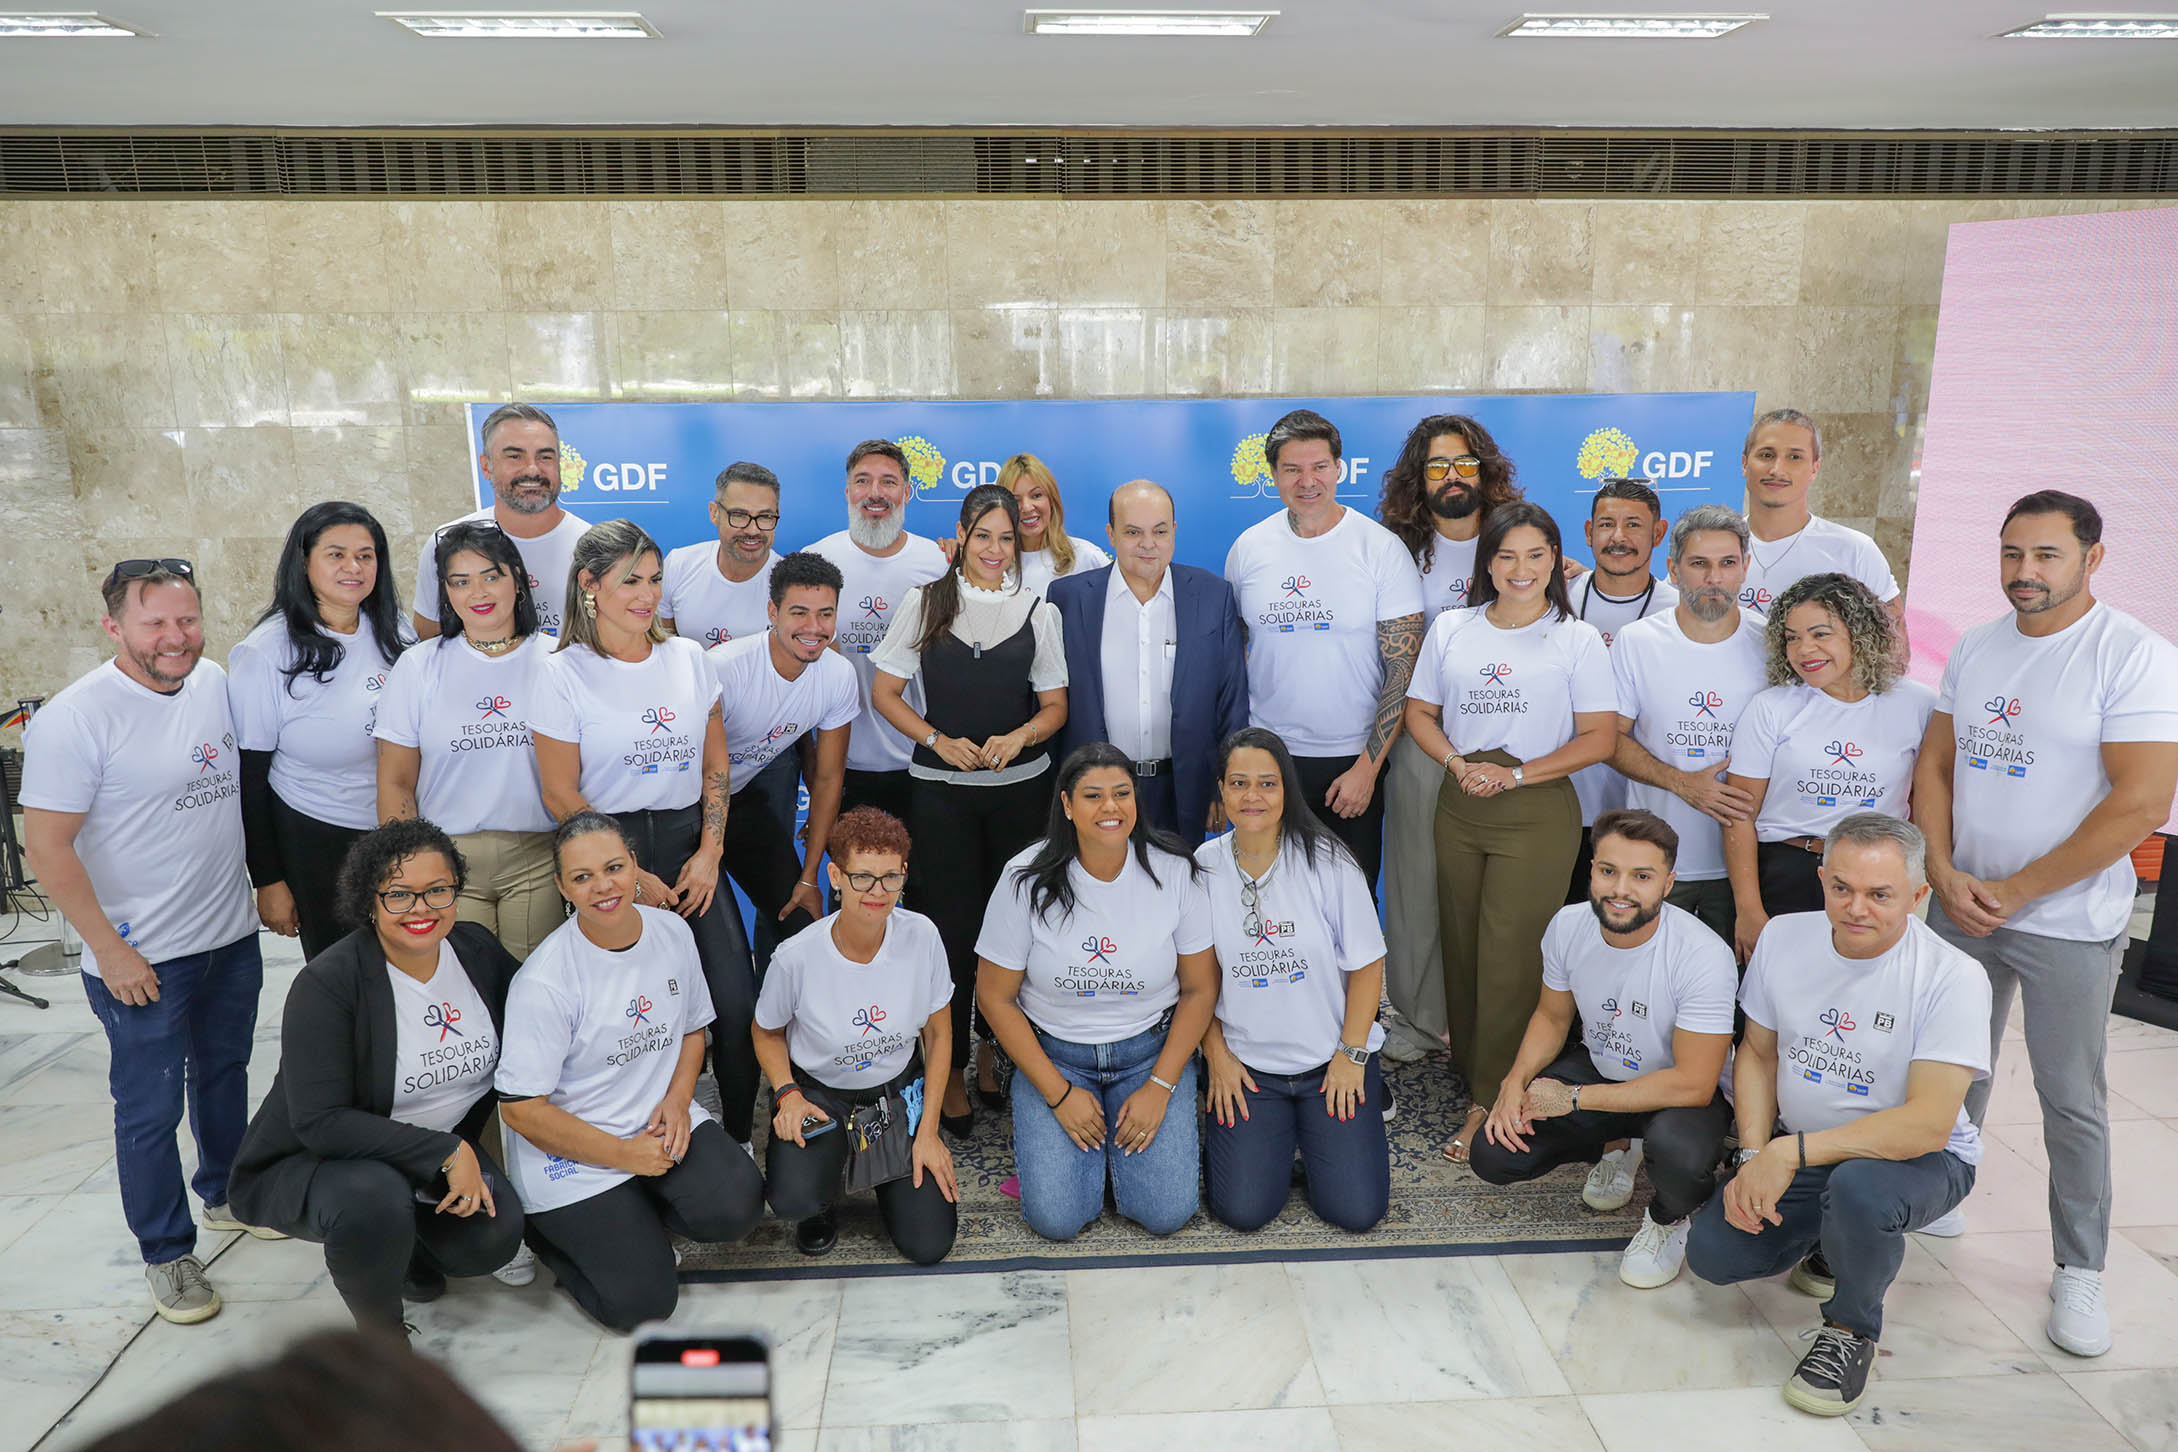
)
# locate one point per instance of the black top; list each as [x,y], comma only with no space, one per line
[979,692]
[333,1096]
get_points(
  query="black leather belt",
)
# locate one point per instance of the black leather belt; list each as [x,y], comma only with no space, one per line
[1812,845]
[1154,768]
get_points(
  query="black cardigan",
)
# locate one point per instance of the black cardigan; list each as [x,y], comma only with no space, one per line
[333,1097]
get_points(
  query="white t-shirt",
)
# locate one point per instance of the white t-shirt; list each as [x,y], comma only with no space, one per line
[1038,571]
[764,713]
[1600,787]
[1684,698]
[158,781]
[322,734]
[1632,1000]
[1109,969]
[467,715]
[1821,546]
[445,1049]
[546,559]
[1282,989]
[1512,690]
[854,1025]
[1311,607]
[873,589]
[707,607]
[640,724]
[598,1034]
[2030,718]
[1447,578]
[1825,760]
[1848,1029]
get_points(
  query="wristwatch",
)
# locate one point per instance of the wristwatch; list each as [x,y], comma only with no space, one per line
[931,740]
[1359,1056]
[1519,777]
[1744,1155]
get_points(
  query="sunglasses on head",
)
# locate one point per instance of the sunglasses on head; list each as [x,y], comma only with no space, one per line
[140,569]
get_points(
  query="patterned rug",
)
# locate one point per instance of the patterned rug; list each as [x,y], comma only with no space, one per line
[1436,1209]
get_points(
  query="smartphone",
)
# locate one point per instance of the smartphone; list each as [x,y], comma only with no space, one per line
[813,1126]
[701,1394]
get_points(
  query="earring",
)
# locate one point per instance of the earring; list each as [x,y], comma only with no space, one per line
[589,606]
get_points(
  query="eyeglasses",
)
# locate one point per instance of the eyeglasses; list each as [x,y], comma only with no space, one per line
[1251,901]
[742,519]
[864,881]
[139,569]
[1467,466]
[399,900]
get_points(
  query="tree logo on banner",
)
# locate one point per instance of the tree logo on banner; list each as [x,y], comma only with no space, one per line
[1607,454]
[572,467]
[926,465]
[1251,470]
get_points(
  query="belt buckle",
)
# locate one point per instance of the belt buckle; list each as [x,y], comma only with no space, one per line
[1149,768]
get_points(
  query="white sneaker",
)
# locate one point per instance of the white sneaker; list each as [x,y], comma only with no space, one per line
[1611,1183]
[1655,1254]
[219,1217]
[1951,1223]
[519,1271]
[2078,1320]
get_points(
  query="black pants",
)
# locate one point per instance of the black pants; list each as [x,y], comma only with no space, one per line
[1787,876]
[1584,867]
[1154,798]
[964,835]
[760,854]
[366,1215]
[802,1180]
[612,1252]
[663,842]
[2159,960]
[1363,835]
[888,792]
[1681,1146]
[311,852]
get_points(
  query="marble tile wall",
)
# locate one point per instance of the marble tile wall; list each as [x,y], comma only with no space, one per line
[186,375]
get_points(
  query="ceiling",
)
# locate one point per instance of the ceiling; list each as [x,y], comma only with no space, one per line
[1432,63]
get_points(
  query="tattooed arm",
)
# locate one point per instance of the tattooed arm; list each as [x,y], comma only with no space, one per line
[699,874]
[1398,641]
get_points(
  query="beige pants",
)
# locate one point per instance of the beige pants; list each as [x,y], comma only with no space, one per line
[1413,955]
[510,888]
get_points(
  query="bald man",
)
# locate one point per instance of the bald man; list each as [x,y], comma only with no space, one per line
[1156,662]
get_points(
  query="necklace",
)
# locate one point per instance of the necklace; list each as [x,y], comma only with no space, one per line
[1589,592]
[494,647]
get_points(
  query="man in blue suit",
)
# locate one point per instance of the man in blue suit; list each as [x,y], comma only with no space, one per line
[1156,662]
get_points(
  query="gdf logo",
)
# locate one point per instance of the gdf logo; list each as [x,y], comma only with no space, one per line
[608,478]
[1612,454]
[1252,478]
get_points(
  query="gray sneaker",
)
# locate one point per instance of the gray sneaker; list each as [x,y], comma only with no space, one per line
[219,1217]
[180,1293]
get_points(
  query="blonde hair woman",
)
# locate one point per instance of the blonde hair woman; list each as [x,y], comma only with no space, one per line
[1047,551]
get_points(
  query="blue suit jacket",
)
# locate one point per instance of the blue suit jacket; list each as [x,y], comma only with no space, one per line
[1209,677]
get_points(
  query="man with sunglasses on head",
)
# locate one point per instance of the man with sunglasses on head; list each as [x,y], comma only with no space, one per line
[132,818]
[520,458]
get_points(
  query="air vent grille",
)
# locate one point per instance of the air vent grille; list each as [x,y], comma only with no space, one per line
[1102,164]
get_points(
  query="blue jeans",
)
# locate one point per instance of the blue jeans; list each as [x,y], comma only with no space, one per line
[1859,1212]
[1062,1186]
[196,1038]
[1349,1164]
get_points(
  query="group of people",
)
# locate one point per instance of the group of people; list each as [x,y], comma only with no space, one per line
[1644,838]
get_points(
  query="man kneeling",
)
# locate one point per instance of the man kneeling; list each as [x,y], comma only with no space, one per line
[1654,990]
[1864,1030]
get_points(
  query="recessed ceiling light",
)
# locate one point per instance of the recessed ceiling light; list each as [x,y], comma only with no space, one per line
[2098,27]
[524,25]
[1146,22]
[1628,27]
[80,23]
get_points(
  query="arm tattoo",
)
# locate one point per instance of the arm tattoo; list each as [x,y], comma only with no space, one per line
[714,803]
[1398,642]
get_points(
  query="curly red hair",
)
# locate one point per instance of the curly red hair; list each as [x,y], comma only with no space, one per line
[867,829]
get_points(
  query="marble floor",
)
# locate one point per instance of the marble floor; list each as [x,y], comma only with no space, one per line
[1532,1351]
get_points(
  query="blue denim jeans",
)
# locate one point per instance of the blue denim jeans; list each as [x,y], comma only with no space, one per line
[1062,1186]
[1349,1163]
[195,1039]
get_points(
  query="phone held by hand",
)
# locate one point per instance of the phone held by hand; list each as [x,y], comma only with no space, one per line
[813,1126]
[701,1394]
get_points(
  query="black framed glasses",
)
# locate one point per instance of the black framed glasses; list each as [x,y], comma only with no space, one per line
[742,519]
[864,881]
[1467,466]
[143,569]
[1251,902]
[400,899]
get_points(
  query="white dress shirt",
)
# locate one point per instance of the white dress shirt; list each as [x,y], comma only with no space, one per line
[1139,640]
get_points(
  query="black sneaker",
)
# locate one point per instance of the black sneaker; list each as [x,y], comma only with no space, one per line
[423,1284]
[1812,1276]
[1833,1377]
[818,1234]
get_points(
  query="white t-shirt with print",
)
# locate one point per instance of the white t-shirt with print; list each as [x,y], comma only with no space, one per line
[1108,970]
[873,589]
[708,608]
[1515,691]
[598,1034]
[158,782]
[545,559]
[1632,1000]
[640,724]
[1447,578]
[2030,718]
[1848,1029]
[1601,787]
[1311,607]
[1038,570]
[467,716]
[854,1025]
[1825,759]
[1282,988]
[322,734]
[1684,698]
[764,713]
[445,1048]
[1821,547]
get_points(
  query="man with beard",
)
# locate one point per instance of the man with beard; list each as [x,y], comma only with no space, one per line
[2052,752]
[1683,679]
[132,817]
[1653,989]
[521,458]
[879,562]
[720,592]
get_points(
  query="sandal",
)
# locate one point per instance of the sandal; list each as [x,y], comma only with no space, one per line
[1456,1149]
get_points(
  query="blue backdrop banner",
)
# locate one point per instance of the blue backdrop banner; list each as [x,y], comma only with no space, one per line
[655,462]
